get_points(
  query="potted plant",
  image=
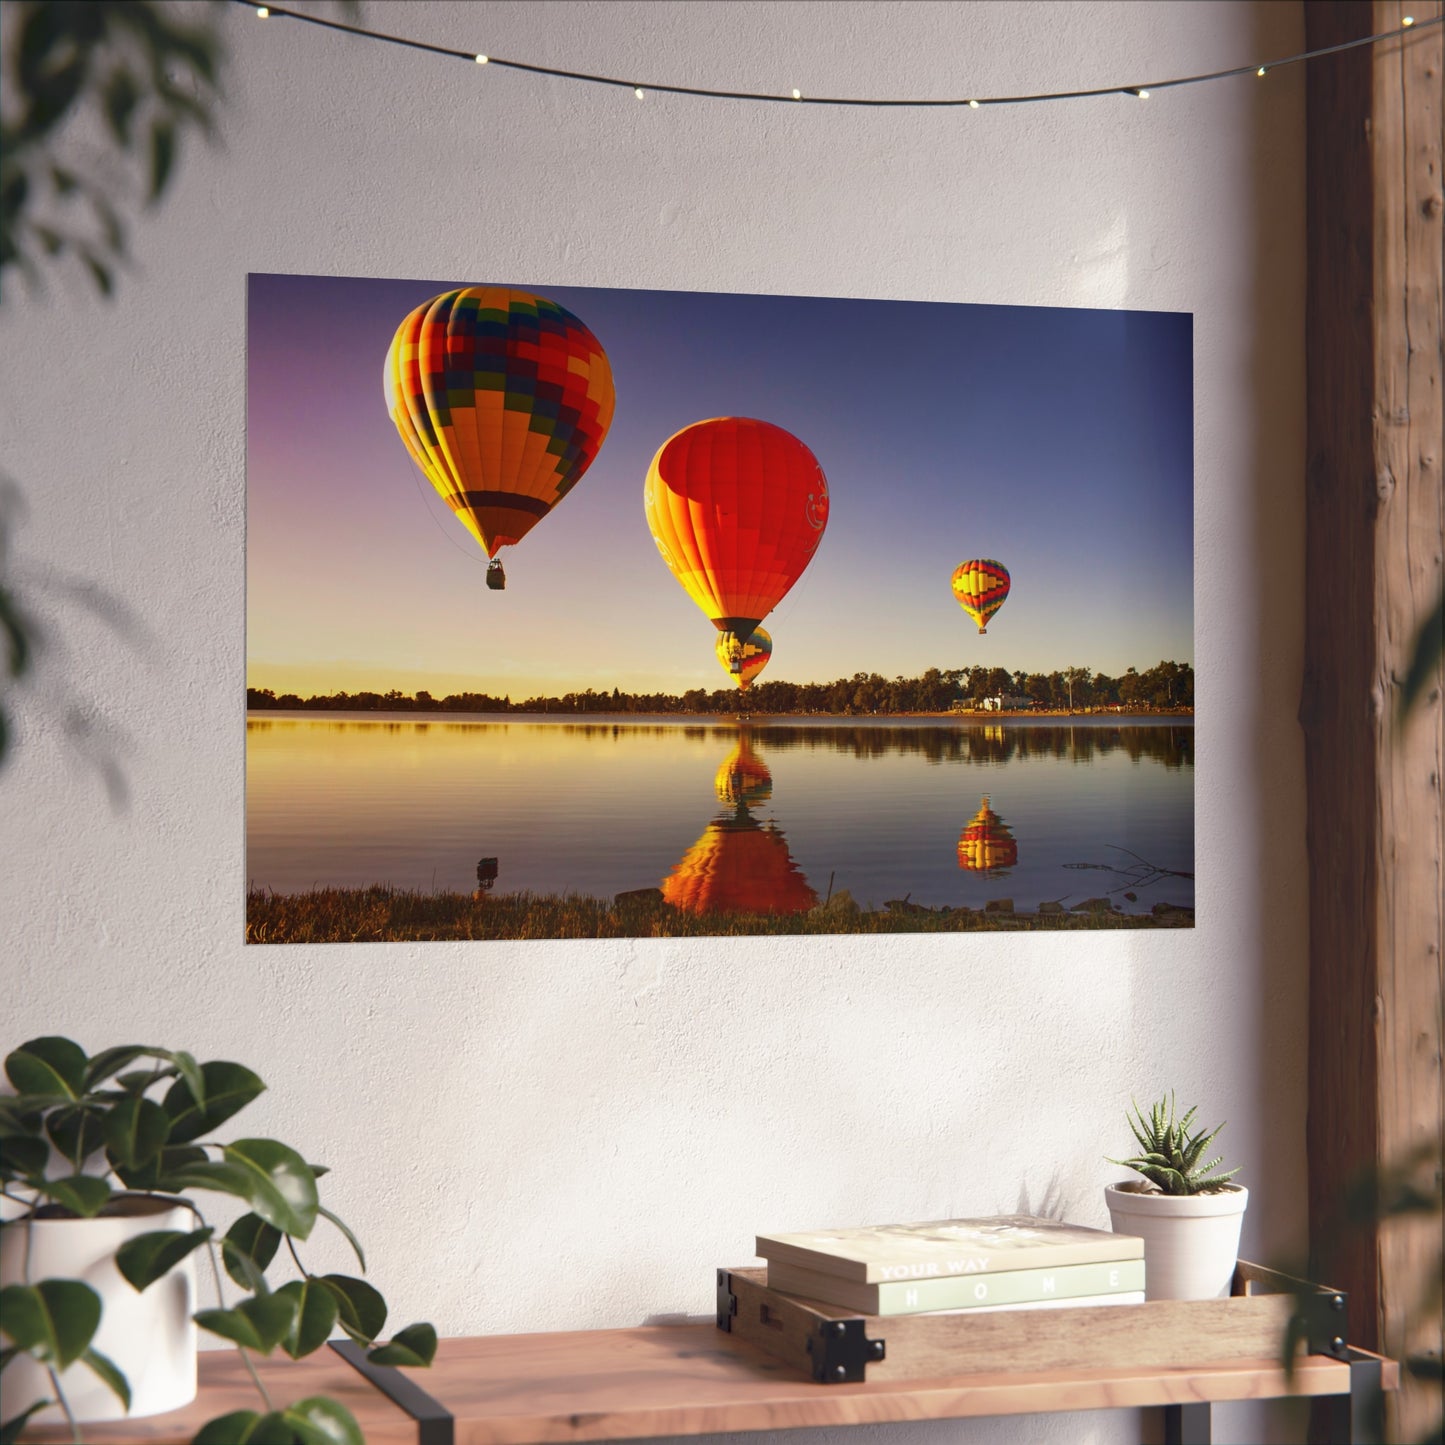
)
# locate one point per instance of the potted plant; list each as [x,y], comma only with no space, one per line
[102,1229]
[1187,1213]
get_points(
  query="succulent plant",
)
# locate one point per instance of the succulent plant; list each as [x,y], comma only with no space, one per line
[1170,1154]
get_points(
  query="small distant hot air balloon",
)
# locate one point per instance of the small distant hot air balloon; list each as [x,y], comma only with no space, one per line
[986,844]
[737,508]
[503,399]
[743,661]
[980,587]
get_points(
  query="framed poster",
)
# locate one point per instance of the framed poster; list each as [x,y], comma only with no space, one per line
[588,612]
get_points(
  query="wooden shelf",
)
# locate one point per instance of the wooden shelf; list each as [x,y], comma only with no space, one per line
[693,1379]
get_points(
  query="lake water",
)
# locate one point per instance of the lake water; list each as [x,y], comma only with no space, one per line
[772,815]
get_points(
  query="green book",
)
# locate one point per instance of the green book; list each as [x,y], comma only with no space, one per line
[958,1292]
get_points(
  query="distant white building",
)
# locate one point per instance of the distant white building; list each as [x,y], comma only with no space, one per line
[1003,703]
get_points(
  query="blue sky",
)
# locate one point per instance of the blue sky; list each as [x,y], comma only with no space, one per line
[1058,441]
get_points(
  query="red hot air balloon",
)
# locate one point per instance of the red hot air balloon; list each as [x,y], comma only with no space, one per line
[737,508]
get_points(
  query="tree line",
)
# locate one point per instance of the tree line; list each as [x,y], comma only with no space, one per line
[1169,687]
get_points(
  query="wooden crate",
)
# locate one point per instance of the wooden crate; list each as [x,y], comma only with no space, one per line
[836,1345]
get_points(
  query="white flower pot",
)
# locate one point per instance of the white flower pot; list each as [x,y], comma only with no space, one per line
[149,1336]
[1191,1241]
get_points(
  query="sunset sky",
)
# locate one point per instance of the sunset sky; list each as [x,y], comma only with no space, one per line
[1059,442]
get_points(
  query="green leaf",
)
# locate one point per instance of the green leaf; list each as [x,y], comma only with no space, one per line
[207,1174]
[11,1430]
[282,1186]
[351,1239]
[259,1323]
[50,1065]
[156,1174]
[316,1311]
[415,1345]
[319,1421]
[111,1061]
[149,1257]
[83,1194]
[245,1427]
[136,1130]
[21,1157]
[76,1131]
[249,1246]
[106,1369]
[54,1320]
[361,1309]
[226,1089]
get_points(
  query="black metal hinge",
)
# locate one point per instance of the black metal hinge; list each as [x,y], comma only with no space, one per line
[841,1352]
[1327,1324]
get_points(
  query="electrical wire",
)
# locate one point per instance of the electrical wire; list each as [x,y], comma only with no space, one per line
[640,88]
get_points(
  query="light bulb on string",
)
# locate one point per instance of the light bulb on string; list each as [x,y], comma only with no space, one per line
[973,105]
[637,91]
[1262,71]
[262,12]
[1407,21]
[797,95]
[482,59]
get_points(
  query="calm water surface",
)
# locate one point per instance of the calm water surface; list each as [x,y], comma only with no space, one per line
[769,815]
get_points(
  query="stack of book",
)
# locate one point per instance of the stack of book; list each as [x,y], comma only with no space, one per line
[1013,1261]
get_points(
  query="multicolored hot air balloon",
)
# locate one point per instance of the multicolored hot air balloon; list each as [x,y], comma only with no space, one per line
[503,400]
[986,845]
[743,661]
[980,587]
[737,508]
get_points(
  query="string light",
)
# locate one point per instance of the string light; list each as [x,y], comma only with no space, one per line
[1141,91]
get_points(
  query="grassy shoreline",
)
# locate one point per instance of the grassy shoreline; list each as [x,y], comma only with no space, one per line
[382,914]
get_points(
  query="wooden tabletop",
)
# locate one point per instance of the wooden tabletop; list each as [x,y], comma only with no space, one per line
[687,1380]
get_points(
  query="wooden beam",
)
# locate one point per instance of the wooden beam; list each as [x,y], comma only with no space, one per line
[1374,545]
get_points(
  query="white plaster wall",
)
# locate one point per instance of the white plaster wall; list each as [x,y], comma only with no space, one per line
[557,1135]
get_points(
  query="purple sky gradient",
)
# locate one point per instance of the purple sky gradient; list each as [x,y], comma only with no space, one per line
[1058,441]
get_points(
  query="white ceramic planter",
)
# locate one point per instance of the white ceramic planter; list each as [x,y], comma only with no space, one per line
[1191,1241]
[150,1336]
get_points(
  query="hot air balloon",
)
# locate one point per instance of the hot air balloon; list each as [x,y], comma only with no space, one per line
[503,400]
[986,845]
[980,587]
[737,508]
[743,661]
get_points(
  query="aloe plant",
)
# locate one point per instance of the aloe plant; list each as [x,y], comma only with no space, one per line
[1171,1154]
[81,1131]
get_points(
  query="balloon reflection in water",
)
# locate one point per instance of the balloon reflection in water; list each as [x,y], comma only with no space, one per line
[740,865]
[986,845]
[743,780]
